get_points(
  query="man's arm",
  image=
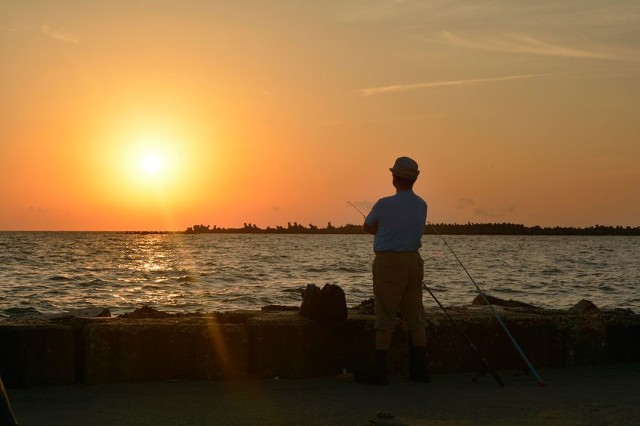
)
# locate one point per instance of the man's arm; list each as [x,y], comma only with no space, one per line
[370,229]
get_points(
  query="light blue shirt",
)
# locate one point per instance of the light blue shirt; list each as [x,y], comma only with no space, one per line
[401,219]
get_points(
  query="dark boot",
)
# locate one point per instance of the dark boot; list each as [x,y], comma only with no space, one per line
[418,364]
[375,375]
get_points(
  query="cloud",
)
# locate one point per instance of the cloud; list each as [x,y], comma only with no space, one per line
[377,10]
[58,34]
[387,119]
[16,29]
[495,213]
[520,43]
[485,213]
[463,203]
[372,91]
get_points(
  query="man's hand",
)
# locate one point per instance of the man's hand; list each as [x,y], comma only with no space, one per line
[370,229]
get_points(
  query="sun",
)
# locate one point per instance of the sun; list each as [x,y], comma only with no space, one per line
[146,166]
[151,164]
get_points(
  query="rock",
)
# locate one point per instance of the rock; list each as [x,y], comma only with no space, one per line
[146,312]
[27,313]
[278,308]
[479,300]
[584,307]
[366,307]
[95,312]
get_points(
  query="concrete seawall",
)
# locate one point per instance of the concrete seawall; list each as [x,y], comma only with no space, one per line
[262,344]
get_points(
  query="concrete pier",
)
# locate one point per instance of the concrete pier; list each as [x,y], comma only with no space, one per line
[259,344]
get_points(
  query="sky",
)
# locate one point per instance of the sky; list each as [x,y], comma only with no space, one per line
[162,114]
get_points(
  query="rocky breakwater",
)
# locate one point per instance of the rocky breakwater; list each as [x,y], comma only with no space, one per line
[148,345]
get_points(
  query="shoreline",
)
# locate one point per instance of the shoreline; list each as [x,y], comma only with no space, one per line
[32,315]
[150,345]
[469,229]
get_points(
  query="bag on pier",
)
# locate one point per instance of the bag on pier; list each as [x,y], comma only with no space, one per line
[328,304]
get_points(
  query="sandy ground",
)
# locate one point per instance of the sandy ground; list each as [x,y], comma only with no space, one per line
[607,395]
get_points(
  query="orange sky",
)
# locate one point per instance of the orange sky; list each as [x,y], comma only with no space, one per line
[157,115]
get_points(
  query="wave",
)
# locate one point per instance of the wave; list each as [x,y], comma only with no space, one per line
[60,278]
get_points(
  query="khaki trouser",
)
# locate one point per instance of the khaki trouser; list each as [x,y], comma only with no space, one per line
[397,286]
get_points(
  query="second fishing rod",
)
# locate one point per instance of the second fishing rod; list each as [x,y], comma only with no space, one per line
[524,357]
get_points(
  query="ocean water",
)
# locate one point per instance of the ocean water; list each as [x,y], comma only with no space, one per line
[56,272]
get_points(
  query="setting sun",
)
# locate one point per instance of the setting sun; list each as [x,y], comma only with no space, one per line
[150,160]
[151,164]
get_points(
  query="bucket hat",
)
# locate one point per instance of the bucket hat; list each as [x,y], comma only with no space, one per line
[406,168]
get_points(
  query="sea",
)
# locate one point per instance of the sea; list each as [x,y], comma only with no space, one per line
[56,273]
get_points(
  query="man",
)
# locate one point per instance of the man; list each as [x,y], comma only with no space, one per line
[397,223]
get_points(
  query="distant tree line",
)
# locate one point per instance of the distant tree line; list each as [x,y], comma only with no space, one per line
[291,228]
[442,228]
[517,229]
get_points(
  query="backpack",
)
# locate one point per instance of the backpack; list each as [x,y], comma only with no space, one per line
[328,304]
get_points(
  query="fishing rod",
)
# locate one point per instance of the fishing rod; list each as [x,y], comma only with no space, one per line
[495,312]
[485,363]
[355,207]
[483,360]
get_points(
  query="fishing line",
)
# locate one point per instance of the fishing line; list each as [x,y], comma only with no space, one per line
[495,312]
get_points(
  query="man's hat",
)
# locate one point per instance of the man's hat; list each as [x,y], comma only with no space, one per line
[405,168]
